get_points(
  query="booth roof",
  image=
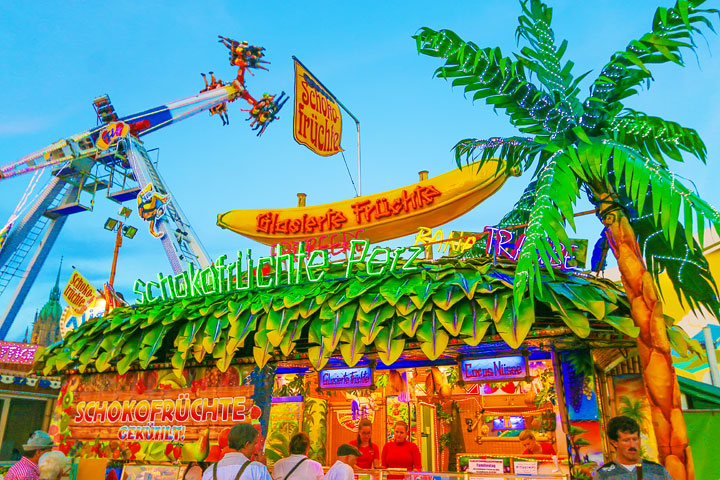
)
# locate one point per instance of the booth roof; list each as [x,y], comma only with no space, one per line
[463,301]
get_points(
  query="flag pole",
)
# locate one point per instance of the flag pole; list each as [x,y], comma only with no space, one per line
[357,122]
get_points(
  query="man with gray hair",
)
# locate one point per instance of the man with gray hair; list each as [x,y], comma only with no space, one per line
[236,465]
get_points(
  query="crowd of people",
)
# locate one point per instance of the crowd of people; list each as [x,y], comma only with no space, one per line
[245,461]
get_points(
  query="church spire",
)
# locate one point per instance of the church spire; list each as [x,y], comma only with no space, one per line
[55,292]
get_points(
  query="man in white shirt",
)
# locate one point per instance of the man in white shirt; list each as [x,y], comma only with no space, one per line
[343,468]
[298,466]
[236,465]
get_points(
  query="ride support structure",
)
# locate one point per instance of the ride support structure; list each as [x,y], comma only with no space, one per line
[111,158]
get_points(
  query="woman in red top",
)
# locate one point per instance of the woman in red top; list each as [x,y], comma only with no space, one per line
[400,453]
[532,446]
[370,451]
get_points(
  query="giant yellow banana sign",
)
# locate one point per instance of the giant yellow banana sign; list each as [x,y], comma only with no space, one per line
[382,216]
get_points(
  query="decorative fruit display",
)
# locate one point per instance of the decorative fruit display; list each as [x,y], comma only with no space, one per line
[198,450]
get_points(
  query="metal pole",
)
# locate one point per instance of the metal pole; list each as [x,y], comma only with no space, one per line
[359,170]
[712,358]
[118,244]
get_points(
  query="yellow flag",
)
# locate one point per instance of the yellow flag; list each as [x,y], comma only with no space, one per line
[318,123]
[78,292]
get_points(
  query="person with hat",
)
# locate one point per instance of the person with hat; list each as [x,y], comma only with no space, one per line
[27,468]
[343,467]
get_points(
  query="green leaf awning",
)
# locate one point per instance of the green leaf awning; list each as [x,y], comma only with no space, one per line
[444,303]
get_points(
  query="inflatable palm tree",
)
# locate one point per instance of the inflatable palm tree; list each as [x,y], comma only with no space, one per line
[615,156]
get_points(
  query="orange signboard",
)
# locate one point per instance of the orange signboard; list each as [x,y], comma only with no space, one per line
[156,415]
[78,292]
[317,120]
[382,216]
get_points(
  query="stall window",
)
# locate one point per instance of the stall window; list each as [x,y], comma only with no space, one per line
[24,416]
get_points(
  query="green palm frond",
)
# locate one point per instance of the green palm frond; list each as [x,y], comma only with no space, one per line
[516,152]
[684,263]
[673,29]
[655,137]
[543,57]
[520,213]
[642,175]
[500,81]
[556,192]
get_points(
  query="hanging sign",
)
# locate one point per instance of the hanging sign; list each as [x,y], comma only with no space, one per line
[359,377]
[317,122]
[494,369]
[78,292]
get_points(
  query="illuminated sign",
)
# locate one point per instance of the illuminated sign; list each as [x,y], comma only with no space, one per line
[78,292]
[364,211]
[269,272]
[11,352]
[359,377]
[494,369]
[499,243]
[502,243]
[70,320]
[159,418]
[335,243]
[317,123]
[454,244]
[111,133]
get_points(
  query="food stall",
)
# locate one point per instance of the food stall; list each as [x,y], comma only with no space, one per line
[26,399]
[441,345]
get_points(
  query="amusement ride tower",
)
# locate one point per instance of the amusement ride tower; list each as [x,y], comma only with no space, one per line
[112,158]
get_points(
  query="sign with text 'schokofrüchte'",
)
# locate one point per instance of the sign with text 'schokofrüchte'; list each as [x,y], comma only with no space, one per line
[494,369]
[78,292]
[318,123]
[358,377]
[291,268]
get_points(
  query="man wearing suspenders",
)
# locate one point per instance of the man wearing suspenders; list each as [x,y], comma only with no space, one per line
[298,466]
[236,465]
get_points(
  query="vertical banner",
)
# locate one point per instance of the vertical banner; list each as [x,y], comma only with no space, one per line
[317,120]
[79,293]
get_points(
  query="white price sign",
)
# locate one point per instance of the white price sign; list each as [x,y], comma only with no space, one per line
[485,465]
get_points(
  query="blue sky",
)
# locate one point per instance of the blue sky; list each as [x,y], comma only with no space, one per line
[57,56]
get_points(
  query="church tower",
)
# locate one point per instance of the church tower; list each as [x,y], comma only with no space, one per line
[46,328]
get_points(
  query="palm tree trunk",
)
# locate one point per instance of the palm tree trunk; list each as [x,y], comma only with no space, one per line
[653,345]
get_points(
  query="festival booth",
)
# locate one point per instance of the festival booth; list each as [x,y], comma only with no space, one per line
[292,342]
[26,399]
